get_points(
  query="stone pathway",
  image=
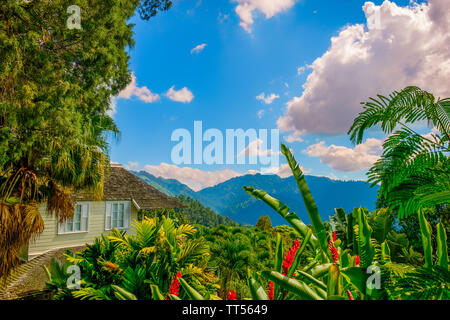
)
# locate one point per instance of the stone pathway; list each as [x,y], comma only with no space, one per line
[30,277]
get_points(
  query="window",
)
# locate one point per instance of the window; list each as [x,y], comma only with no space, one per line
[117,215]
[79,222]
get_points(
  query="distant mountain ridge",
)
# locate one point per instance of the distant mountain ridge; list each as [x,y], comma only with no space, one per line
[230,200]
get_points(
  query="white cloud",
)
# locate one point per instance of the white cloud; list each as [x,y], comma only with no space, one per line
[199,48]
[183,95]
[293,138]
[198,179]
[269,8]
[132,165]
[142,93]
[254,149]
[260,113]
[411,47]
[195,179]
[284,171]
[301,70]
[362,157]
[269,99]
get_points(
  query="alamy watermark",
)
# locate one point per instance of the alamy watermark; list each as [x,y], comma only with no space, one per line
[234,146]
[374,280]
[73,281]
[74,20]
[373,14]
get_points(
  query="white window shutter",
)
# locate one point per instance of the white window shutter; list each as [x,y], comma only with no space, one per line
[127,214]
[85,217]
[108,216]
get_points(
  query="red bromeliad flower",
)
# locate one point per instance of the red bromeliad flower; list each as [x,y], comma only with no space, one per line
[110,265]
[350,296]
[334,237]
[334,252]
[175,285]
[270,292]
[357,260]
[289,257]
[231,295]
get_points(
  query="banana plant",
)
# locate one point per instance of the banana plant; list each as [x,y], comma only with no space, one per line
[323,279]
[337,272]
[430,282]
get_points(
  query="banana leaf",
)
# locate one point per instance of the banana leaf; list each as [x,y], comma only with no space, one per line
[296,287]
[191,292]
[310,204]
[442,250]
[122,294]
[309,279]
[298,254]
[279,256]
[333,286]
[356,276]
[256,290]
[156,294]
[320,270]
[366,250]
[283,210]
[426,230]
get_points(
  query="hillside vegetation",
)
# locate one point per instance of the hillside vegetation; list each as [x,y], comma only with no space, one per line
[228,199]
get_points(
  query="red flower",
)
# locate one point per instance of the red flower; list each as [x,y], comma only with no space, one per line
[270,292]
[289,257]
[334,237]
[350,296]
[175,285]
[357,260]
[110,265]
[334,252]
[231,295]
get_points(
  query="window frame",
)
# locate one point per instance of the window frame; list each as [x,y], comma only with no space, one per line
[110,212]
[62,227]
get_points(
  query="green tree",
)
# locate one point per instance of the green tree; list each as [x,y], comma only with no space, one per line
[196,213]
[55,89]
[414,170]
[232,257]
[264,224]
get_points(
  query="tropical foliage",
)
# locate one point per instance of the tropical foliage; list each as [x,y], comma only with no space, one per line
[141,265]
[55,89]
[56,85]
[196,213]
[414,170]
[356,256]
[366,270]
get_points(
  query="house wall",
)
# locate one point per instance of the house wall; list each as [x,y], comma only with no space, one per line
[49,239]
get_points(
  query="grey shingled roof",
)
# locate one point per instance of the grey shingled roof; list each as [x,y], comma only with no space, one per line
[121,184]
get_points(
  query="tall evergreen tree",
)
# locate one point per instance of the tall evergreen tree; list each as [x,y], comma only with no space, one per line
[56,82]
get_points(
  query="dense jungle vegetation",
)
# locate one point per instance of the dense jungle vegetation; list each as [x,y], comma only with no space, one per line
[56,86]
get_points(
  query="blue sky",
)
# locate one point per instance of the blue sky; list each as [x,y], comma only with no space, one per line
[241,60]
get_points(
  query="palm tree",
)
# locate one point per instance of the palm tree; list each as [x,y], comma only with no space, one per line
[50,175]
[232,257]
[414,170]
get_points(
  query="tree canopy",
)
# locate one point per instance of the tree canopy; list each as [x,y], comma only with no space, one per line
[56,84]
[414,170]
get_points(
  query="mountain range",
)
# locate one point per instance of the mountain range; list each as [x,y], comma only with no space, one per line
[229,199]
